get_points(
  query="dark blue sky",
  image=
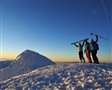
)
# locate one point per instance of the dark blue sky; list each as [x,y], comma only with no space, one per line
[49,26]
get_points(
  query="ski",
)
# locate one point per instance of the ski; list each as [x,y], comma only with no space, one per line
[98,36]
[80,41]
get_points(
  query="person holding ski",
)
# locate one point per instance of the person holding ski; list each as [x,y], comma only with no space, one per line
[94,47]
[80,51]
[87,50]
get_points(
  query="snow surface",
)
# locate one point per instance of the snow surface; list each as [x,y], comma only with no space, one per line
[25,62]
[74,76]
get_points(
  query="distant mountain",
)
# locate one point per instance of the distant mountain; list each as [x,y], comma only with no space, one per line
[4,64]
[25,62]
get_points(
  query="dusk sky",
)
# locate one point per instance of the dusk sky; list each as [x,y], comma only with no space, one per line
[50,26]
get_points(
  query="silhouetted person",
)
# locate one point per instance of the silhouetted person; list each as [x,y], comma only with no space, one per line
[94,48]
[87,50]
[80,51]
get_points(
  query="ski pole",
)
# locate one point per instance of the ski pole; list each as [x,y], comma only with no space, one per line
[98,36]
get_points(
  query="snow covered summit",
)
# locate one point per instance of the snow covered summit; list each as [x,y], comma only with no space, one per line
[25,62]
[31,60]
[71,76]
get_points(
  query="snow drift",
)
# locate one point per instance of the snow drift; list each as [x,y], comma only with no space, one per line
[63,77]
[25,62]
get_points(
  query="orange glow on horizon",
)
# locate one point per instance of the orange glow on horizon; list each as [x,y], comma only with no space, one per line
[8,56]
[56,58]
[62,59]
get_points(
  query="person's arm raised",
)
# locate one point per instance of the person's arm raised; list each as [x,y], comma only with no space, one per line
[75,44]
[96,38]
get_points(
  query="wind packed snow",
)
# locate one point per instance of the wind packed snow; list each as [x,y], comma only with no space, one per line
[63,77]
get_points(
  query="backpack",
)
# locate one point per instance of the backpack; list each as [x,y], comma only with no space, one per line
[96,46]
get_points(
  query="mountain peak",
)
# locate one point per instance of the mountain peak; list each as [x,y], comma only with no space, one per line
[27,54]
[25,62]
[28,51]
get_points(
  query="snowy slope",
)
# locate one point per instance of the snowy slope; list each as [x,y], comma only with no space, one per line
[25,62]
[63,77]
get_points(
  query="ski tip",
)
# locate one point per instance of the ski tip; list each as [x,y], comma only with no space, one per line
[72,43]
